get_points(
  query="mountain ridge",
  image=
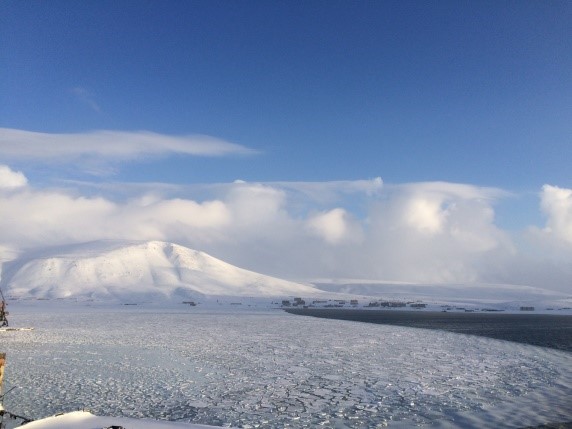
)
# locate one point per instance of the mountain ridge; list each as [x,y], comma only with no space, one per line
[124,269]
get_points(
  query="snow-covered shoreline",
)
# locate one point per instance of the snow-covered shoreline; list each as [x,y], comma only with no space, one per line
[230,304]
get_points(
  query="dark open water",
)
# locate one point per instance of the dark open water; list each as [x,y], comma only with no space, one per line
[546,330]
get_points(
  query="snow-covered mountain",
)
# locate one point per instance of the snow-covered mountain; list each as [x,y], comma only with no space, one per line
[128,270]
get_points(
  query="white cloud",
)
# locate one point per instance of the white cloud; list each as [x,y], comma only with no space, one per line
[10,179]
[426,232]
[438,208]
[112,145]
[425,213]
[556,204]
[433,232]
[39,218]
[255,205]
[333,226]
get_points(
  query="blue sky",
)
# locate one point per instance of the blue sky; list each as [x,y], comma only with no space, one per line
[473,93]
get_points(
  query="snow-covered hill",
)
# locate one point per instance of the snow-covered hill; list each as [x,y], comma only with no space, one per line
[129,270]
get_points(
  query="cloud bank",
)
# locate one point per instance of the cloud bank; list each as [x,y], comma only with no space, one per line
[418,232]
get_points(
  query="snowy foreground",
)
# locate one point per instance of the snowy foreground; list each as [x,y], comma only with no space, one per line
[273,370]
[84,419]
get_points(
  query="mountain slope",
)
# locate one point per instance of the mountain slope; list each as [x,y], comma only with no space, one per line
[135,270]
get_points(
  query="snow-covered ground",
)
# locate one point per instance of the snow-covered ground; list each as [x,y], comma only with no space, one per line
[86,420]
[269,369]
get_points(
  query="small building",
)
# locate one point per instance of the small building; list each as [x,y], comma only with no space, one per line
[526,308]
[354,302]
[286,303]
[418,305]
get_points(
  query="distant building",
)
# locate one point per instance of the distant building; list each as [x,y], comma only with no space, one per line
[526,308]
[418,305]
[397,304]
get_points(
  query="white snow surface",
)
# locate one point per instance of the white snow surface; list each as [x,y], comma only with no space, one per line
[128,270]
[86,420]
[270,369]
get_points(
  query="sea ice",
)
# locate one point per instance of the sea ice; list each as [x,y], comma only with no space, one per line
[274,370]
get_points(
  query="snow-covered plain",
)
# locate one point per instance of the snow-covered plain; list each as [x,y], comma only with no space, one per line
[274,370]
